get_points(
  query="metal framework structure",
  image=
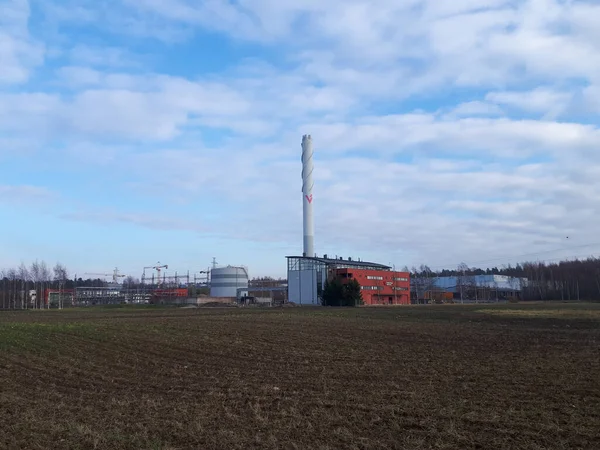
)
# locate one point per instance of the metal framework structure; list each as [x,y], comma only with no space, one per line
[316,263]
[102,295]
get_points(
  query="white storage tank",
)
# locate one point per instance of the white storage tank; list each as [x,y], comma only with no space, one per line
[225,281]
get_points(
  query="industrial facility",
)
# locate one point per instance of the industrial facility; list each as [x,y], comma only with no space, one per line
[379,284]
[307,274]
[231,284]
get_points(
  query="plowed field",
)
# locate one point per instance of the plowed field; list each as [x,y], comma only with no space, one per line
[460,377]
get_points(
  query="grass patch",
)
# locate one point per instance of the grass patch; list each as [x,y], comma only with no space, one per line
[567,314]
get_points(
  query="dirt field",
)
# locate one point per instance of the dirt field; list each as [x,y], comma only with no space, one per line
[518,376]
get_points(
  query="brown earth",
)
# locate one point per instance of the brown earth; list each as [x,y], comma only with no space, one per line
[444,377]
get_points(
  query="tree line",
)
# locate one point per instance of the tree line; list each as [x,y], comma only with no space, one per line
[23,287]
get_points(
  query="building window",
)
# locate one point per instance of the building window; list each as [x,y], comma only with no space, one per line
[372,277]
[401,279]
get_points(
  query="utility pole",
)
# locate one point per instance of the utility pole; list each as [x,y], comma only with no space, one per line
[464,276]
[395,290]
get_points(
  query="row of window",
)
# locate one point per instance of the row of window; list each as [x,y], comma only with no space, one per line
[372,277]
[380,288]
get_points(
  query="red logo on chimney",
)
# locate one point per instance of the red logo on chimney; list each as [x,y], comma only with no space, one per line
[309,198]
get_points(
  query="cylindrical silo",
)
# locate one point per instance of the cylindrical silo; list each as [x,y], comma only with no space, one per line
[225,281]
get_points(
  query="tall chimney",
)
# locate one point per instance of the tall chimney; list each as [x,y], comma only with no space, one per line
[307,196]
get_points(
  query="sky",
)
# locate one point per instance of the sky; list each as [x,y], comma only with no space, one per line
[138,131]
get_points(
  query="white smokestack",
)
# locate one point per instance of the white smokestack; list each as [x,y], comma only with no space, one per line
[307,195]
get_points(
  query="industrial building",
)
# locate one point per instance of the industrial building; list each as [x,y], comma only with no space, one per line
[379,284]
[471,288]
[307,275]
[378,287]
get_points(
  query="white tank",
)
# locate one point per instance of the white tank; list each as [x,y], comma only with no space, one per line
[225,281]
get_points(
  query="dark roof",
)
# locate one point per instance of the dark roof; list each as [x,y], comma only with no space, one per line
[345,262]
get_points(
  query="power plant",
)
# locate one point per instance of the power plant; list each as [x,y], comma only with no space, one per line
[307,276]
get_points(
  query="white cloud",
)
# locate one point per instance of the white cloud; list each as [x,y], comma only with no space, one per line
[475,108]
[98,56]
[591,98]
[370,205]
[424,132]
[24,195]
[549,102]
[435,123]
[19,53]
[152,221]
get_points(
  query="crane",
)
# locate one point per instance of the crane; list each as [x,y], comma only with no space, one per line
[115,275]
[157,267]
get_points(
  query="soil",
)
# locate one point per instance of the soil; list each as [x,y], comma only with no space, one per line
[443,377]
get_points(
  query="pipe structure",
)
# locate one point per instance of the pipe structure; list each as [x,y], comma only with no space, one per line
[307,195]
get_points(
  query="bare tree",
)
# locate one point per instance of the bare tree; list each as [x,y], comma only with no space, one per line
[4,284]
[472,287]
[35,272]
[45,274]
[461,280]
[11,274]
[45,280]
[23,276]
[60,275]
[60,272]
[495,287]
[418,284]
[130,281]
[427,280]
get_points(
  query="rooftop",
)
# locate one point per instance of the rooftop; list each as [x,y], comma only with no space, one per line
[342,262]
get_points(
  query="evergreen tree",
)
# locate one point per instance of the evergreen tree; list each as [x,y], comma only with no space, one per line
[333,293]
[352,294]
[337,293]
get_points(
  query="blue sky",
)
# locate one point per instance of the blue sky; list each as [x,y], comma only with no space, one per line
[137,131]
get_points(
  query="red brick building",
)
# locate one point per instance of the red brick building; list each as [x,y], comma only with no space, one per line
[378,287]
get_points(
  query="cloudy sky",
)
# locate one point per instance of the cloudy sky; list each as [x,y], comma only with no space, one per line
[137,131]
